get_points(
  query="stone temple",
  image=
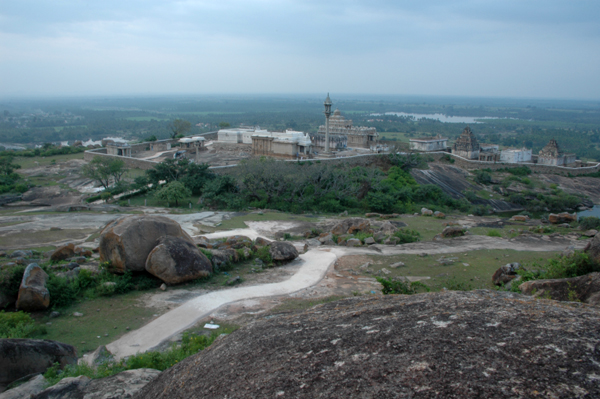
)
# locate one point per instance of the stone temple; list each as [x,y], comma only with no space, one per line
[552,155]
[342,133]
[466,145]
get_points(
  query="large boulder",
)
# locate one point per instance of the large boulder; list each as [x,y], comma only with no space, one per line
[22,357]
[237,242]
[33,294]
[282,251]
[120,386]
[562,218]
[453,231]
[506,274]
[454,344]
[127,241]
[221,257]
[175,260]
[593,248]
[583,288]
[63,252]
[21,254]
[350,226]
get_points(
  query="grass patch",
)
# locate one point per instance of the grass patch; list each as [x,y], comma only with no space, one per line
[102,315]
[34,162]
[25,239]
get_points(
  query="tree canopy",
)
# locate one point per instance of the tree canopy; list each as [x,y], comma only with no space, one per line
[103,170]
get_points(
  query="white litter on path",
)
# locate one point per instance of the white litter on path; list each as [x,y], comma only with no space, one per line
[315,264]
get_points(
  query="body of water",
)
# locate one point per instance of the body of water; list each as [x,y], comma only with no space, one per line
[441,117]
[595,211]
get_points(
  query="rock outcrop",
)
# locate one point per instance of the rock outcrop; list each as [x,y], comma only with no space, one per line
[175,260]
[474,344]
[351,226]
[22,357]
[593,248]
[33,294]
[505,274]
[120,386]
[31,387]
[583,288]
[127,241]
[562,218]
[453,231]
[282,251]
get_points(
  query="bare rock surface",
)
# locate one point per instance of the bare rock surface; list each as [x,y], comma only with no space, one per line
[127,241]
[120,386]
[22,357]
[583,288]
[175,260]
[33,294]
[453,231]
[33,386]
[439,345]
[593,248]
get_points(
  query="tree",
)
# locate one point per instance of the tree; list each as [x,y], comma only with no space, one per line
[179,127]
[173,192]
[403,156]
[224,125]
[192,175]
[7,167]
[104,169]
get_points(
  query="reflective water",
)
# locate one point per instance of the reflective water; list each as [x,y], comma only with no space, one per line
[441,117]
[595,211]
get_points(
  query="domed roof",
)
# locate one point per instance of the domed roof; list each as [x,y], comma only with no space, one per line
[337,112]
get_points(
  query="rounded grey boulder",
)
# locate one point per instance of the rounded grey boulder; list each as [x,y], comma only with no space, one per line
[282,251]
[127,242]
[175,260]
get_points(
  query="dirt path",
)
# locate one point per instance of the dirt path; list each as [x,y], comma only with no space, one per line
[315,264]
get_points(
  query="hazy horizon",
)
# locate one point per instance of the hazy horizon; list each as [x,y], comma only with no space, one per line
[534,50]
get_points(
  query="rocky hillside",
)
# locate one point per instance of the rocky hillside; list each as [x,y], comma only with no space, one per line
[449,344]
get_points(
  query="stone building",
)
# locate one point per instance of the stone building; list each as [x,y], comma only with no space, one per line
[119,149]
[489,152]
[437,143]
[552,155]
[288,144]
[513,155]
[356,136]
[466,145]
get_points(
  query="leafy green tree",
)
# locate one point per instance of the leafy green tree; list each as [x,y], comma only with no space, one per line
[104,169]
[193,176]
[173,192]
[7,167]
[179,127]
[223,125]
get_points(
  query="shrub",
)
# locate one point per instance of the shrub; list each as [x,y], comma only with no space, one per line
[10,280]
[575,265]
[589,222]
[17,325]
[519,171]
[206,252]
[401,286]
[482,177]
[407,236]
[452,284]
[263,254]
[494,233]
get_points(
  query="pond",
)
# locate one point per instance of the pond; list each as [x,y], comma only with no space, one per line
[441,117]
[595,211]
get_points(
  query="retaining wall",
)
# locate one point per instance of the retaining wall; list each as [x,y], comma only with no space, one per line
[130,162]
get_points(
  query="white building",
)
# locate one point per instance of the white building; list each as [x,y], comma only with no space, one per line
[437,143]
[515,155]
[287,144]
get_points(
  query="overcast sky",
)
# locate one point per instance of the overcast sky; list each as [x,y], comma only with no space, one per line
[502,48]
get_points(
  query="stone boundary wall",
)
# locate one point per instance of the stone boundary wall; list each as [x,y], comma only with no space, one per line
[130,162]
[536,168]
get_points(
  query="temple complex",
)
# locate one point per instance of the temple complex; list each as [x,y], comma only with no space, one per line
[466,145]
[343,134]
[552,155]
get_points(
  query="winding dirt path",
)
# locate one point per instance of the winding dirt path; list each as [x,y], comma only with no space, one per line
[315,264]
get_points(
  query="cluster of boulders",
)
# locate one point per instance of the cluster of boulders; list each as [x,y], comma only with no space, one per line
[231,249]
[345,233]
[429,212]
[161,247]
[562,218]
[155,244]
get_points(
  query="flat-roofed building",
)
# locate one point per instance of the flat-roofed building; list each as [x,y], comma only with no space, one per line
[425,144]
[515,155]
[287,144]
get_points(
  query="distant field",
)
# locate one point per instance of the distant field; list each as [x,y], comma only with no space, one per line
[26,162]
[59,128]
[204,113]
[402,137]
[145,118]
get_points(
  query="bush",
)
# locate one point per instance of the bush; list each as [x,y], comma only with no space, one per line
[206,252]
[263,254]
[575,265]
[10,280]
[407,236]
[589,222]
[482,177]
[494,233]
[519,171]
[401,286]
[17,325]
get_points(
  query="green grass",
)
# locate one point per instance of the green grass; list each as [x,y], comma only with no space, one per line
[427,226]
[399,136]
[237,222]
[26,162]
[100,316]
[482,265]
[26,239]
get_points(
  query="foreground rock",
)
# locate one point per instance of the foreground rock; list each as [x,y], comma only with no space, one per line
[120,386]
[175,260]
[593,248]
[562,218]
[583,288]
[477,344]
[33,294]
[282,251]
[127,241]
[33,386]
[453,231]
[22,357]
[505,274]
